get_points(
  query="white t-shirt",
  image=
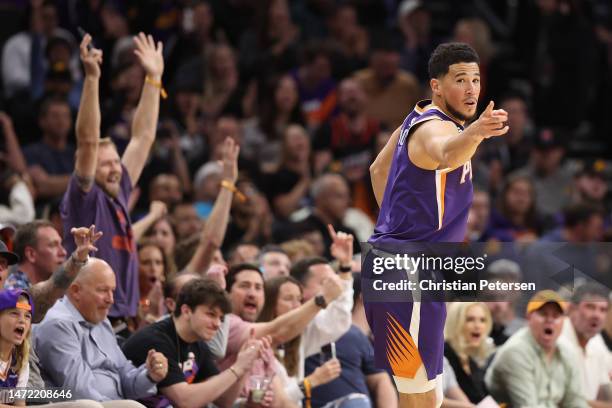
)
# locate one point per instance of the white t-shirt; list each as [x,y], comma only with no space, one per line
[595,361]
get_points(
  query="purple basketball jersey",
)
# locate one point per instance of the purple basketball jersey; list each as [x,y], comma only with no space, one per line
[423,205]
[418,206]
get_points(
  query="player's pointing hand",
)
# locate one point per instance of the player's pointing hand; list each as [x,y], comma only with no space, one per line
[491,122]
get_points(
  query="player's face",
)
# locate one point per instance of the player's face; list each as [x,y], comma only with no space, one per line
[108,170]
[459,90]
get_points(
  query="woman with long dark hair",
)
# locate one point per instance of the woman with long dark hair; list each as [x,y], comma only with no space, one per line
[283,294]
[279,107]
[516,218]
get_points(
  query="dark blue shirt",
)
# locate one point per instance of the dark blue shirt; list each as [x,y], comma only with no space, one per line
[356,356]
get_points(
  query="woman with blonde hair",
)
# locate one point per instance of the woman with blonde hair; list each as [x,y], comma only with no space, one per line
[468,347]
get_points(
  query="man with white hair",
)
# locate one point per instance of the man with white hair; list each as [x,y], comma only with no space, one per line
[77,333]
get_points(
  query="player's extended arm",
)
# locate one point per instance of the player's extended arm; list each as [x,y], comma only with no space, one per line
[439,144]
[379,170]
[144,123]
[88,117]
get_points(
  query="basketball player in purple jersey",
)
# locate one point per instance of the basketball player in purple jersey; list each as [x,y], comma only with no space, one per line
[422,180]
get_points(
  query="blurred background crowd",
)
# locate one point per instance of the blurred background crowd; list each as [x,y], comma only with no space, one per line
[310,90]
[312,87]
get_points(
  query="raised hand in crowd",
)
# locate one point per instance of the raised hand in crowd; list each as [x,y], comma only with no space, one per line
[341,247]
[332,288]
[85,240]
[88,120]
[47,292]
[230,160]
[157,209]
[150,55]
[217,272]
[157,365]
[213,233]
[90,57]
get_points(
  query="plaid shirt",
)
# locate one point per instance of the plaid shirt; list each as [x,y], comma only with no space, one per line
[17,280]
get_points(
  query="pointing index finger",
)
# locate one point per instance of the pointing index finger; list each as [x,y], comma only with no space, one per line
[332,231]
[489,109]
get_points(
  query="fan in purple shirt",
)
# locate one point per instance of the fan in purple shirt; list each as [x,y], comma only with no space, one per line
[102,181]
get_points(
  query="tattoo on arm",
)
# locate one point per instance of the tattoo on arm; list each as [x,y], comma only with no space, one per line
[43,299]
[46,293]
[84,182]
[61,280]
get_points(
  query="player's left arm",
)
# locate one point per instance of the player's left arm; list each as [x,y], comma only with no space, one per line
[144,124]
[379,170]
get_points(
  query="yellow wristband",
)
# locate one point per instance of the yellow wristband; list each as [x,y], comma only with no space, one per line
[232,187]
[307,388]
[158,85]
[308,393]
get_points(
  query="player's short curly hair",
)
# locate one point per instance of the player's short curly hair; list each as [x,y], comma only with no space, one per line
[448,54]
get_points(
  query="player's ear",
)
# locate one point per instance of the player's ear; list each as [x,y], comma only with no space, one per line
[434,83]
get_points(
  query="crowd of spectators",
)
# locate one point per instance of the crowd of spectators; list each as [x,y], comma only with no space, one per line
[217,168]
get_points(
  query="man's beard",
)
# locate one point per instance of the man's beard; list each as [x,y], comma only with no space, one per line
[112,193]
[458,115]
